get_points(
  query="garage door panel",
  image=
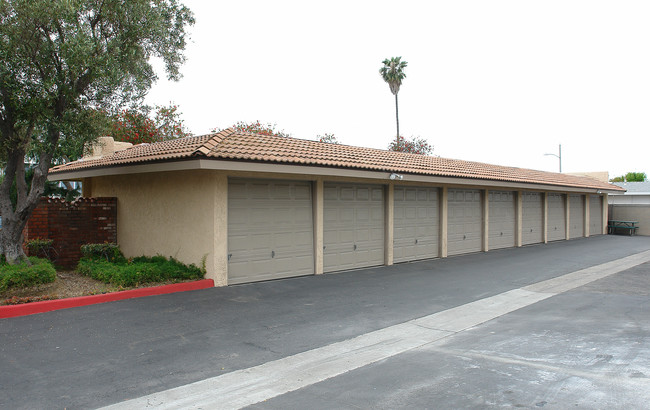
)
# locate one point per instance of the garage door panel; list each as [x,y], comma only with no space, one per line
[404,232]
[501,221]
[556,227]
[423,232]
[532,218]
[464,224]
[363,215]
[363,194]
[347,194]
[416,223]
[303,192]
[304,237]
[354,232]
[270,230]
[237,191]
[330,193]
[260,191]
[362,235]
[330,216]
[595,215]
[346,236]
[576,216]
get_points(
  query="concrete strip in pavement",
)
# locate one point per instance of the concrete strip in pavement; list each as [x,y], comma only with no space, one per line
[581,277]
[249,386]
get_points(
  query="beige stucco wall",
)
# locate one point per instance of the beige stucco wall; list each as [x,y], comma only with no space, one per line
[640,213]
[179,214]
[602,176]
[184,214]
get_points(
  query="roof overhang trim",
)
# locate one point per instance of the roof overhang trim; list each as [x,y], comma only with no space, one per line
[274,168]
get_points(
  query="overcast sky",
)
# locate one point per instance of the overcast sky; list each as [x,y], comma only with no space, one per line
[502,82]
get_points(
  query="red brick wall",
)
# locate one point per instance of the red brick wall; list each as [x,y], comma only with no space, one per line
[72,224]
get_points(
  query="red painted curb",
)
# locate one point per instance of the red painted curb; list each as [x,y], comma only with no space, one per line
[50,305]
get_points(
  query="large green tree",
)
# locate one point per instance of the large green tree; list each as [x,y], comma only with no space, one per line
[393,73]
[631,177]
[61,61]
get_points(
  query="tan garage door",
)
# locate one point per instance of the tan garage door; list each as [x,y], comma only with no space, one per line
[576,216]
[595,215]
[416,226]
[501,223]
[532,222]
[464,223]
[270,230]
[353,226]
[556,217]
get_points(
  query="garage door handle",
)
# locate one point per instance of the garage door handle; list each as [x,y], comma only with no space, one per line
[416,241]
[229,256]
[464,237]
[355,247]
[273,254]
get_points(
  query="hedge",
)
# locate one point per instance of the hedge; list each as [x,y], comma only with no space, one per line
[24,275]
[138,270]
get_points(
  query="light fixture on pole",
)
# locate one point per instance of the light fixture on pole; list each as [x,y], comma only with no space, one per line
[558,156]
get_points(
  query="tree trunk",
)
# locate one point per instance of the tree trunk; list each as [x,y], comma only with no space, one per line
[397,115]
[14,219]
[11,240]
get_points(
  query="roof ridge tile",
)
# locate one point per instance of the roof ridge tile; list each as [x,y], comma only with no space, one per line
[209,145]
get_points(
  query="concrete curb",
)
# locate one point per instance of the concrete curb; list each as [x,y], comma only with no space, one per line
[50,305]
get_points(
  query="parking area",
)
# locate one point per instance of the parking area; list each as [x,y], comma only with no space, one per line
[585,346]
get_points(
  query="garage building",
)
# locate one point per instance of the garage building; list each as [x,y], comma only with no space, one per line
[256,207]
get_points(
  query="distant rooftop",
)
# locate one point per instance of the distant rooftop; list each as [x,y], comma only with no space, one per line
[635,188]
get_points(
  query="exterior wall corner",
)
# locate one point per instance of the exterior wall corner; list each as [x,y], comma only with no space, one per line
[219,271]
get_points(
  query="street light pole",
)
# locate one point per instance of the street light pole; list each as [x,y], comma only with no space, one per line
[558,156]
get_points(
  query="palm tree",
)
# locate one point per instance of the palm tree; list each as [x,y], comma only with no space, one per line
[393,73]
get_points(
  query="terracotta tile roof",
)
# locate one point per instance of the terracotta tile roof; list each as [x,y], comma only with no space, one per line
[232,145]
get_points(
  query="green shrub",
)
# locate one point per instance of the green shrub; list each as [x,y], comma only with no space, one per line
[38,244]
[43,248]
[24,275]
[107,251]
[138,270]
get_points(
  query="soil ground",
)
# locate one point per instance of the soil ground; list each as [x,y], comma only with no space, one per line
[67,284]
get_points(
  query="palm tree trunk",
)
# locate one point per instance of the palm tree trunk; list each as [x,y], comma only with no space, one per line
[396,114]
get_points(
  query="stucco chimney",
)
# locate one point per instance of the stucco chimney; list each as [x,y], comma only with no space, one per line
[105,146]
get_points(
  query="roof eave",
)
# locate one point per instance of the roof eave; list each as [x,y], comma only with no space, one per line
[194,163]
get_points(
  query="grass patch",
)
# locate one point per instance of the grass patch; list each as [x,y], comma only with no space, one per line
[24,275]
[137,271]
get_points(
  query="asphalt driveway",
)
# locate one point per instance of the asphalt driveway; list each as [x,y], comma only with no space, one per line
[99,355]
